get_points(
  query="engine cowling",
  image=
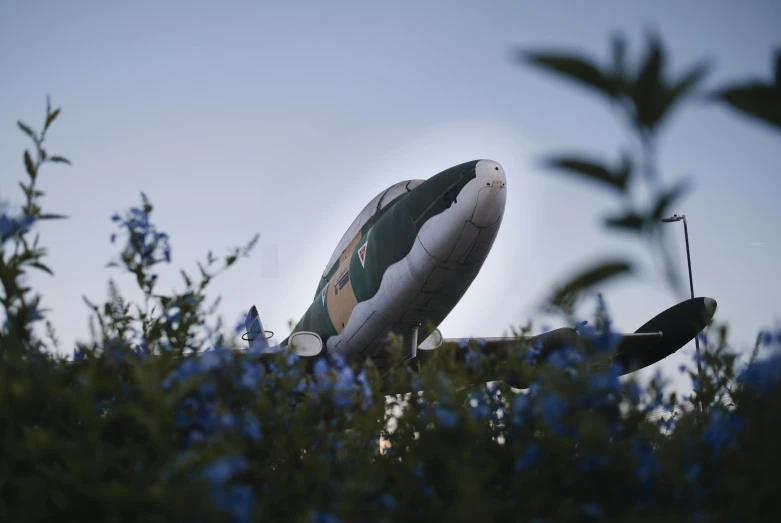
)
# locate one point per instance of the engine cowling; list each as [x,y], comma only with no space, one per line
[306,344]
[434,341]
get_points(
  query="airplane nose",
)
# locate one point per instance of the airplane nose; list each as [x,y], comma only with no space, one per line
[492,195]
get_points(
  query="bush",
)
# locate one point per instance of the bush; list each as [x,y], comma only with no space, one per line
[159,417]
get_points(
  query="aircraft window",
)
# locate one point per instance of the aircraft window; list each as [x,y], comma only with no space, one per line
[380,201]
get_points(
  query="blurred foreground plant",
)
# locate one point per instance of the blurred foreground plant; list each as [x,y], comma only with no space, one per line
[644,96]
[158,419]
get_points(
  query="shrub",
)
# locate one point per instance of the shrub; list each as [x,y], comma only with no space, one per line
[159,417]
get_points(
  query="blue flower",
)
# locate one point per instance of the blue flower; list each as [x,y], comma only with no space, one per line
[366,389]
[251,428]
[345,381]
[480,410]
[722,430]
[447,418]
[647,459]
[236,500]
[321,367]
[251,375]
[764,374]
[223,469]
[529,458]
[565,357]
[474,360]
[554,409]
[12,226]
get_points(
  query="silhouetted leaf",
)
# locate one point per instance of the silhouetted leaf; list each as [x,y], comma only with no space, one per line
[28,164]
[52,217]
[668,198]
[756,100]
[677,92]
[630,222]
[50,118]
[574,68]
[598,273]
[648,90]
[688,81]
[594,170]
[29,132]
[59,159]
[25,189]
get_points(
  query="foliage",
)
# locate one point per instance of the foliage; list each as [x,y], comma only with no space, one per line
[644,97]
[159,418]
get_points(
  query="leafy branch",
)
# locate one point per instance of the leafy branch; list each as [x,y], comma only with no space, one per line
[18,253]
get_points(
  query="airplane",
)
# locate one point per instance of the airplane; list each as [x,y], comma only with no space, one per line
[406,261]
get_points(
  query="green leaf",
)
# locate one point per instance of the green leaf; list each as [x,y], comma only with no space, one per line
[42,267]
[629,221]
[29,165]
[52,217]
[575,68]
[649,88]
[59,159]
[688,81]
[598,273]
[595,170]
[29,132]
[756,100]
[668,198]
[50,118]
[25,189]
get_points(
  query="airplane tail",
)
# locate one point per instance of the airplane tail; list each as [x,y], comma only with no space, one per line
[255,335]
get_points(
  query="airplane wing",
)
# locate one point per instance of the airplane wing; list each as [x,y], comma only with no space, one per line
[657,339]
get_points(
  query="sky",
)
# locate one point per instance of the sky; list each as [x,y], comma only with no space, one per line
[284,120]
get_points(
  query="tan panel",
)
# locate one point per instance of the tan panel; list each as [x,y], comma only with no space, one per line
[341,296]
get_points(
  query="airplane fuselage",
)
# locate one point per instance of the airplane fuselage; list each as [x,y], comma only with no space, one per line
[407,260]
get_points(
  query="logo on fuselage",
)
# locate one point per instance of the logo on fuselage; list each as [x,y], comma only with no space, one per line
[362,254]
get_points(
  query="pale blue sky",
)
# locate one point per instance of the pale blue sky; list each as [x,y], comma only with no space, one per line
[244,118]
